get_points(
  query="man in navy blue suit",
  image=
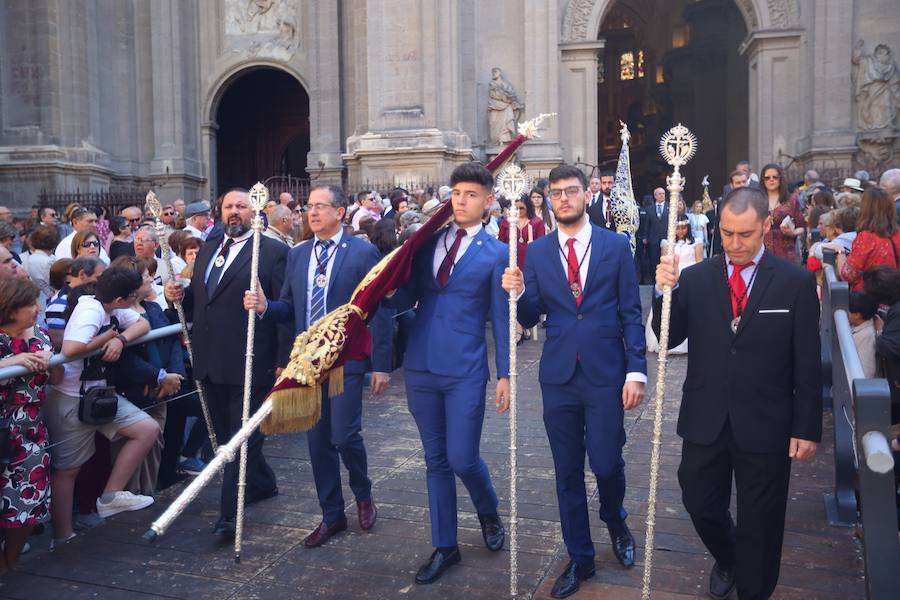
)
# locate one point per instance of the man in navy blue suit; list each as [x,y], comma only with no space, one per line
[456,282]
[592,368]
[321,275]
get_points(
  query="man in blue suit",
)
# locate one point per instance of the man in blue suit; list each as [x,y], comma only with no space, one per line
[592,368]
[321,275]
[456,280]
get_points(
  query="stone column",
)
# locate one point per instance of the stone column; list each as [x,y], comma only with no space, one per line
[541,69]
[412,129]
[831,39]
[324,158]
[774,60]
[175,128]
[578,100]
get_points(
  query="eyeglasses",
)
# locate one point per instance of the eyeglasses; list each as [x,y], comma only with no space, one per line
[772,177]
[571,192]
[318,206]
[90,244]
[168,213]
[138,220]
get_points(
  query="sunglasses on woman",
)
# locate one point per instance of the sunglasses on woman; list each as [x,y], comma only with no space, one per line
[90,244]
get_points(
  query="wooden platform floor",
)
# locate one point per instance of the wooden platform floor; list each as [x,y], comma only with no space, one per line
[112,561]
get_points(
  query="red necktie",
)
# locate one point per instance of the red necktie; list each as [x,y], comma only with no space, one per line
[738,289]
[443,273]
[574,272]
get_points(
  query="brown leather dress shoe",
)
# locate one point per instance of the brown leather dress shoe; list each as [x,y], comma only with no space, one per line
[323,533]
[368,512]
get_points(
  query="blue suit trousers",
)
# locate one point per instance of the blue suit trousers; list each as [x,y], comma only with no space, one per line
[579,417]
[337,437]
[449,412]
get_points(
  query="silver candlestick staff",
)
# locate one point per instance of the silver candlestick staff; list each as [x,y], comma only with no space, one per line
[155,207]
[677,147]
[511,184]
[259,195]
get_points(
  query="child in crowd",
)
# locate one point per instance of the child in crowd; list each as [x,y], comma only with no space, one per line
[861,313]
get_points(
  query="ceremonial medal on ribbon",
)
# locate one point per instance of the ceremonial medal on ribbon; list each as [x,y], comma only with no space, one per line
[321,280]
[220,260]
[576,289]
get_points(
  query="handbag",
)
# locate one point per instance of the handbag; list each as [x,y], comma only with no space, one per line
[97,405]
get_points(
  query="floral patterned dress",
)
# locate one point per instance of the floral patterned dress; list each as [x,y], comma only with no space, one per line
[25,482]
[776,242]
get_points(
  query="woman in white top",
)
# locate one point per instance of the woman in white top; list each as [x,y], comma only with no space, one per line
[689,253]
[699,224]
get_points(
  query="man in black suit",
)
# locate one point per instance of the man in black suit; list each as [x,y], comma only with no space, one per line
[600,207]
[752,398]
[657,226]
[219,336]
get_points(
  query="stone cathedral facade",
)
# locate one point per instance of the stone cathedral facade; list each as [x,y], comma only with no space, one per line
[202,94]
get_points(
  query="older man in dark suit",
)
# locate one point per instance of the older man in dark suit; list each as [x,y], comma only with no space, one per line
[752,398]
[215,300]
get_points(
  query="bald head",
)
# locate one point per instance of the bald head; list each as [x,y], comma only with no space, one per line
[285,198]
[281,218]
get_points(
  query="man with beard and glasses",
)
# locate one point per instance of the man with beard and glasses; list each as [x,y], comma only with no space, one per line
[216,300]
[592,368]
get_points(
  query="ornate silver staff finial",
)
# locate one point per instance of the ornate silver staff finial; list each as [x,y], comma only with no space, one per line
[259,195]
[678,146]
[153,204]
[512,182]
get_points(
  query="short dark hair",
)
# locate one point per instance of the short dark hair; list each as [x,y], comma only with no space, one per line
[16,293]
[43,211]
[568,172]
[733,174]
[607,174]
[882,283]
[59,270]
[117,225]
[360,196]
[338,197]
[44,237]
[472,172]
[740,199]
[132,263]
[117,282]
[88,264]
[864,304]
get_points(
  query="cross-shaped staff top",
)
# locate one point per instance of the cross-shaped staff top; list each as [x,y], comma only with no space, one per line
[259,195]
[512,182]
[678,145]
[153,204]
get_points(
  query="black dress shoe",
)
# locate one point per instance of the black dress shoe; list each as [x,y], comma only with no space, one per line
[225,528]
[492,531]
[441,560]
[622,544]
[254,497]
[721,581]
[570,580]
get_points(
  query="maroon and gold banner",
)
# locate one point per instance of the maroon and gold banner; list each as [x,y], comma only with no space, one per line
[320,352]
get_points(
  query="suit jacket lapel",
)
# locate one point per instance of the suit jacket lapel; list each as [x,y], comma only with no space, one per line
[340,253]
[760,283]
[722,291]
[557,270]
[301,272]
[469,256]
[241,260]
[204,256]
[597,247]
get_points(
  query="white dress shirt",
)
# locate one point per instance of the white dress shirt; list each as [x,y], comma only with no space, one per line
[311,271]
[747,274]
[235,249]
[582,248]
[446,241]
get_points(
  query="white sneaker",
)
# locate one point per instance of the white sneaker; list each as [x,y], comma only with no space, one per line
[122,502]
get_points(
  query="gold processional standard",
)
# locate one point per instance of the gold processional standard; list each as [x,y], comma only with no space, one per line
[677,146]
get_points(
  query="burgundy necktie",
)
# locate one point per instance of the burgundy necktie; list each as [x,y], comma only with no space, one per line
[574,270]
[443,273]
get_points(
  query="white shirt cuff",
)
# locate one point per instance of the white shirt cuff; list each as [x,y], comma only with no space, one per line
[636,376]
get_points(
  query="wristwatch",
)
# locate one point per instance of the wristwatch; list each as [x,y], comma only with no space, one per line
[122,339]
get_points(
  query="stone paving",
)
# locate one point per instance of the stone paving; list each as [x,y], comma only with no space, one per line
[112,561]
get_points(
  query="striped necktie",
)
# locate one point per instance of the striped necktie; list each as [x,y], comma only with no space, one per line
[317,304]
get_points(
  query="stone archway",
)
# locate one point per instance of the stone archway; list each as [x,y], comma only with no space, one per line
[275,137]
[772,51]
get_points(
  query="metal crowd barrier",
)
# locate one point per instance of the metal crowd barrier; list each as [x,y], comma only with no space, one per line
[863,461]
[58,359]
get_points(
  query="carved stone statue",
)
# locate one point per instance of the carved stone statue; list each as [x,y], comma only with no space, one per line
[504,108]
[877,87]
